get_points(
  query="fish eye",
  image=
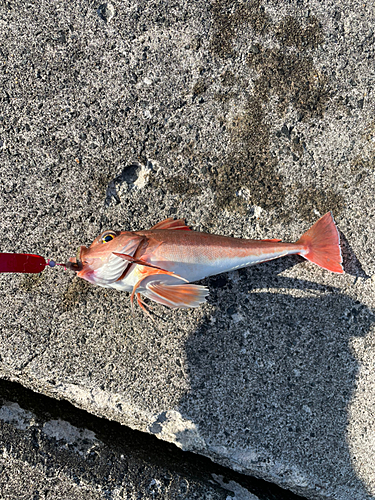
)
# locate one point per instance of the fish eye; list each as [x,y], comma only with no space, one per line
[107,237]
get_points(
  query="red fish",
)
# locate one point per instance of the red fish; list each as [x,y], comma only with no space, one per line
[161,263]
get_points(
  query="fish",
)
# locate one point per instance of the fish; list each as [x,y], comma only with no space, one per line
[163,263]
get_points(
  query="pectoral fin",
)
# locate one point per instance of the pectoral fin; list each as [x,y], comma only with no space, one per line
[173,296]
[170,290]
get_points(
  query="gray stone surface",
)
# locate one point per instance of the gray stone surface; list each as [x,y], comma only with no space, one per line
[49,458]
[247,119]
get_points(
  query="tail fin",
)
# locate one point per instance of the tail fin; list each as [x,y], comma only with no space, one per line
[322,244]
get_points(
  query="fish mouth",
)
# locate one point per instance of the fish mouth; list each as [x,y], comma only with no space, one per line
[74,265]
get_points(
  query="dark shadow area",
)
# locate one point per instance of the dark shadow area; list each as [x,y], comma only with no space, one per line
[129,174]
[265,275]
[272,374]
[138,451]
[351,264]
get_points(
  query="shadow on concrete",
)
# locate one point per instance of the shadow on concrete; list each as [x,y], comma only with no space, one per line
[124,453]
[271,377]
[351,264]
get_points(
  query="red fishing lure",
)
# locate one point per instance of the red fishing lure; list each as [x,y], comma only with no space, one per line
[23,263]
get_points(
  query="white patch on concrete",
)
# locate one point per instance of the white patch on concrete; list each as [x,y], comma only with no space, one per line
[244,192]
[156,484]
[109,12]
[261,461]
[99,402]
[239,492]
[307,409]
[178,430]
[13,414]
[143,176]
[82,440]
[62,430]
[257,211]
[237,317]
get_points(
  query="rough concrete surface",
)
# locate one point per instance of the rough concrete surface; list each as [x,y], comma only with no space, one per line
[248,119]
[45,457]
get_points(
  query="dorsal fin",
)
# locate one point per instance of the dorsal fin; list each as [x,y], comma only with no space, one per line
[172,224]
[276,239]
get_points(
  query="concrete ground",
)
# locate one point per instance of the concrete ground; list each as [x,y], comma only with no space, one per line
[52,450]
[248,119]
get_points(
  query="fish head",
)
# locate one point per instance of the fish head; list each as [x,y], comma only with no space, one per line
[98,262]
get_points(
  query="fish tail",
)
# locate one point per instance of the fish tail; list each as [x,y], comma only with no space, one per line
[322,244]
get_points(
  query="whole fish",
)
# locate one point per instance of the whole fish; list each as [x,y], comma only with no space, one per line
[161,263]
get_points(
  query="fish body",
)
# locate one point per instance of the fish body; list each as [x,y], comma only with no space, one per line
[161,263]
[195,255]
